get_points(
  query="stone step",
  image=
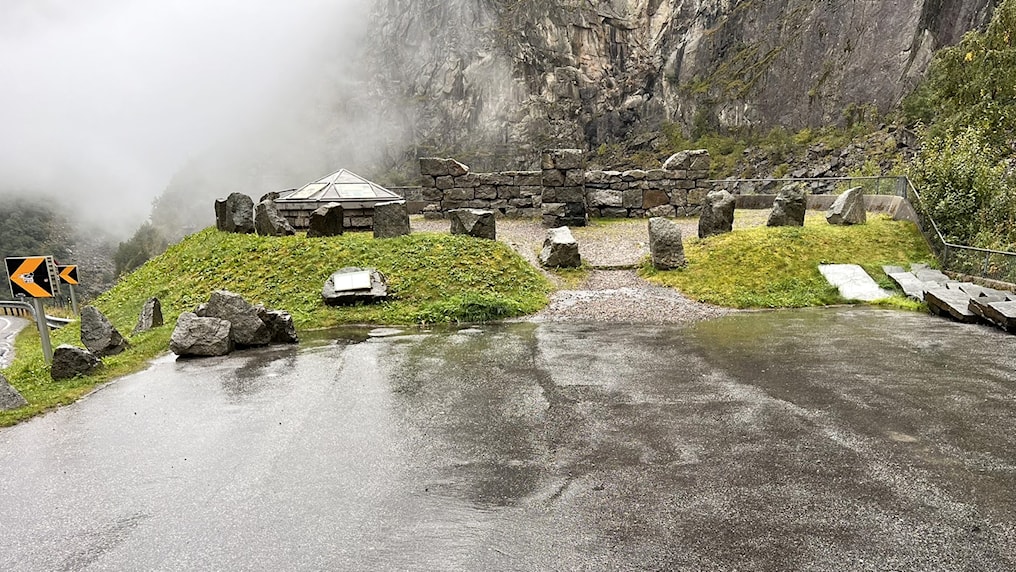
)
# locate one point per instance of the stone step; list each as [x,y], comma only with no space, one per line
[950,303]
[1001,313]
[853,282]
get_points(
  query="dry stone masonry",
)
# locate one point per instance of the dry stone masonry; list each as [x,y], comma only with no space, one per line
[563,191]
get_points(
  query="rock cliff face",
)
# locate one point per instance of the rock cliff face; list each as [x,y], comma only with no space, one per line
[509,76]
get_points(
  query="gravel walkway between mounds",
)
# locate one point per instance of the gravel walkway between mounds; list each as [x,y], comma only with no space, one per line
[612,292]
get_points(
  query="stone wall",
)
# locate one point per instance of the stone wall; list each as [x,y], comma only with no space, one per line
[354,216]
[677,189]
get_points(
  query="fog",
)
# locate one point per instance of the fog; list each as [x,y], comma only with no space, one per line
[102,102]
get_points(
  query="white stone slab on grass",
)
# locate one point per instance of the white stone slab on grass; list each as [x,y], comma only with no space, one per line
[853,282]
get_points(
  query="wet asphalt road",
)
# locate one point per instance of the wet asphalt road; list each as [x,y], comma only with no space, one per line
[849,439]
[9,327]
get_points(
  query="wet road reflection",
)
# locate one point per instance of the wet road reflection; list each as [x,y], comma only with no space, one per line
[855,439]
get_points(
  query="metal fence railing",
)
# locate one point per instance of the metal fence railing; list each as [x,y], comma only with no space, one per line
[816,185]
[985,263]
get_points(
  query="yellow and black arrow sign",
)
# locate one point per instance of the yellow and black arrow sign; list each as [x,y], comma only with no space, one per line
[32,276]
[68,274]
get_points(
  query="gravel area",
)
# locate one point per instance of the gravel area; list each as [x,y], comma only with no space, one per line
[612,292]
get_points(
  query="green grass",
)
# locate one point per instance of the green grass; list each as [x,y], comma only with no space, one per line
[778,267]
[433,278]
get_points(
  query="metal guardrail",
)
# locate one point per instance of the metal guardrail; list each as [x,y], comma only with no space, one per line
[25,310]
[981,262]
[894,186]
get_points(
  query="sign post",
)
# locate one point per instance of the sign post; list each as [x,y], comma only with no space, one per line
[69,276]
[35,277]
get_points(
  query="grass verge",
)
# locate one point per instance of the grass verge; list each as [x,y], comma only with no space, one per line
[433,278]
[766,267]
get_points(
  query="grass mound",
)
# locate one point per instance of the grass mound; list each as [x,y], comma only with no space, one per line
[778,267]
[433,278]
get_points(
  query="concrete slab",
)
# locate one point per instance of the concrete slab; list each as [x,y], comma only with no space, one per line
[989,294]
[910,284]
[853,282]
[998,313]
[950,303]
[925,274]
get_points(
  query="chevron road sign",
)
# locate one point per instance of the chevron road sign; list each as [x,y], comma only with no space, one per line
[33,276]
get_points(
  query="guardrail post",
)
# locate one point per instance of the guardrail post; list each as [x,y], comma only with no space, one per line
[40,322]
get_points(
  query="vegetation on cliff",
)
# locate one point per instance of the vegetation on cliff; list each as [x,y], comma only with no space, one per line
[966,113]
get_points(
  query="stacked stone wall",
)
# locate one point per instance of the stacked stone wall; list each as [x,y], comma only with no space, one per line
[447,185]
[564,192]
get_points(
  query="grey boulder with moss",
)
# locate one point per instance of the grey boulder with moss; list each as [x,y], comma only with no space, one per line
[326,221]
[717,214]
[200,336]
[150,316]
[789,206]
[269,222]
[391,219]
[848,208]
[560,249]
[247,327]
[666,245]
[99,335]
[9,397]
[70,362]
[473,222]
[235,213]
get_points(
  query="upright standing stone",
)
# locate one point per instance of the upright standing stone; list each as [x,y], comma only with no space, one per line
[665,244]
[70,362]
[474,222]
[848,208]
[235,213]
[9,397]
[391,219]
[789,206]
[150,317]
[564,188]
[717,214]
[326,221]
[99,335]
[269,222]
[560,249]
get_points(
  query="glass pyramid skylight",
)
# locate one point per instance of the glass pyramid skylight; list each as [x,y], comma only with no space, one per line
[340,186]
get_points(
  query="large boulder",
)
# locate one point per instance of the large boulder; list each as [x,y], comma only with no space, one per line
[70,362]
[665,244]
[247,328]
[198,336]
[691,160]
[326,221]
[848,208]
[717,214]
[560,249]
[150,317]
[280,323]
[99,335]
[235,213]
[269,222]
[9,397]
[474,222]
[789,206]
[351,284]
[391,219]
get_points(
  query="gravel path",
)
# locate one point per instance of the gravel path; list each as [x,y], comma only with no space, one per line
[612,292]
